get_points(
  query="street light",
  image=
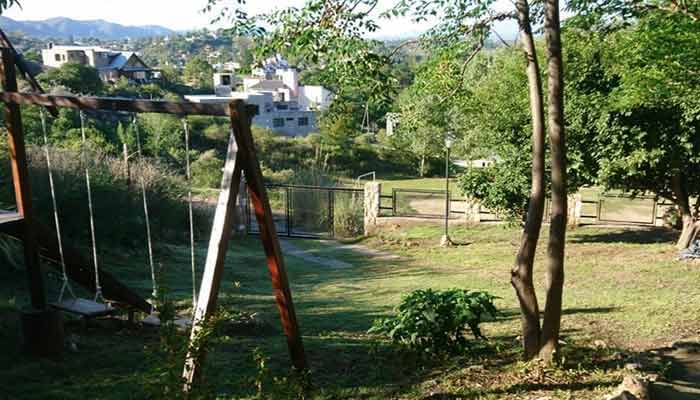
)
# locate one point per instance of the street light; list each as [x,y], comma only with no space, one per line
[446,241]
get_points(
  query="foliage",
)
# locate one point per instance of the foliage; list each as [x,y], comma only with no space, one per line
[75,77]
[639,99]
[5,4]
[114,200]
[198,73]
[206,170]
[348,214]
[433,322]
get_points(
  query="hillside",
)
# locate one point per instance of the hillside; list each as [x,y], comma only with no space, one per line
[66,28]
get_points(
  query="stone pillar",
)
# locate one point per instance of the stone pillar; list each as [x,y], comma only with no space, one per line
[575,208]
[373,192]
[472,212]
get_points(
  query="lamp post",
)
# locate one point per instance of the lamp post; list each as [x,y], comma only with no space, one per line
[446,241]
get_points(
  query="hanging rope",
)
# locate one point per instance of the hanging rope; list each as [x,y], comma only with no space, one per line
[189,203]
[145,209]
[98,287]
[64,274]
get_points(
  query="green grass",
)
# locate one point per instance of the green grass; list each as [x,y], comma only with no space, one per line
[622,287]
[418,183]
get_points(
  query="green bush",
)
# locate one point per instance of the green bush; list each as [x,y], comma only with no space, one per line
[434,321]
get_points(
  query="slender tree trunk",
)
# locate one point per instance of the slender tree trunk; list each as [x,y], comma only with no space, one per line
[421,168]
[557,232]
[690,226]
[521,274]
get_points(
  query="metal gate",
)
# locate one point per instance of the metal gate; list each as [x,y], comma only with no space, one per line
[313,211]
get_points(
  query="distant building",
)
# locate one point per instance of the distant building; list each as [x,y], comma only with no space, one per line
[110,64]
[284,106]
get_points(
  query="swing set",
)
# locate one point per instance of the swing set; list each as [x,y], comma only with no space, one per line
[109,293]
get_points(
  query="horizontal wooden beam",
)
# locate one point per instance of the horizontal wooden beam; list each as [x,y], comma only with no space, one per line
[120,104]
[24,70]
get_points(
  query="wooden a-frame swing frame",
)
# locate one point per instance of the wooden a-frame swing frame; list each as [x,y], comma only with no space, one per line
[241,159]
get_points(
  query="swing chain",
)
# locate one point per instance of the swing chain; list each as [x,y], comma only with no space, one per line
[64,274]
[98,287]
[149,240]
[189,204]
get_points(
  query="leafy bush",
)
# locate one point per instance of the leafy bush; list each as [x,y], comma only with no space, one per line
[434,321]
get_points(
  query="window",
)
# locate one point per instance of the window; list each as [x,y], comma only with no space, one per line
[57,57]
[226,80]
[282,107]
[278,122]
[303,121]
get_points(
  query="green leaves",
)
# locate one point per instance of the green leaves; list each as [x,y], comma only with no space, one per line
[433,322]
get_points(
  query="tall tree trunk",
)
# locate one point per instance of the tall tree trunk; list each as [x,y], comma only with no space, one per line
[549,341]
[690,226]
[521,274]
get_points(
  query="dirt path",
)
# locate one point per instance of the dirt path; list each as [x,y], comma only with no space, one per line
[288,247]
[685,372]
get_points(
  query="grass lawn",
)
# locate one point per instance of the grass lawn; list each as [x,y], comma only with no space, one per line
[622,287]
[417,183]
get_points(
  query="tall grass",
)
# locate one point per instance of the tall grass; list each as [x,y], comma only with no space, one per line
[117,197]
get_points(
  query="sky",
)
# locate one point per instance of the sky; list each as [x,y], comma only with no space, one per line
[185,14]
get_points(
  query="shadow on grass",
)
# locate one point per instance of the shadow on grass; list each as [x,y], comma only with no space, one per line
[637,236]
[514,313]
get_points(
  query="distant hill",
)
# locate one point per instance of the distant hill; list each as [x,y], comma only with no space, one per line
[65,28]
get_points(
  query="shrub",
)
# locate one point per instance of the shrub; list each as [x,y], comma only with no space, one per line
[433,321]
[348,214]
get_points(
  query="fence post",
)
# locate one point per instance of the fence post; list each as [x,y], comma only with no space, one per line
[373,192]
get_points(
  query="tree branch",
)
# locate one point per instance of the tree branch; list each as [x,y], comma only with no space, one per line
[402,45]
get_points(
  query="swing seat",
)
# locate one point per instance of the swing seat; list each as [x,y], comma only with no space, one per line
[154,320]
[84,307]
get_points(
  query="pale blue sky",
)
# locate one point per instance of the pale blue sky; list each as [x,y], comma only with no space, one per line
[177,14]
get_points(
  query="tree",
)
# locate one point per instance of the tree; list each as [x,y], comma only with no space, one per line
[198,73]
[640,96]
[77,78]
[549,342]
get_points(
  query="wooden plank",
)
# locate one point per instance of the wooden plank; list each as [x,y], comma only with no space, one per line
[268,235]
[24,70]
[80,270]
[181,108]
[10,221]
[213,269]
[84,307]
[20,180]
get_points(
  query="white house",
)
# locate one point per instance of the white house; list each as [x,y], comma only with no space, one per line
[284,106]
[110,64]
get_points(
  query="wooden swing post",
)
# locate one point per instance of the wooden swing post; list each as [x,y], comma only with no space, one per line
[241,157]
[20,180]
